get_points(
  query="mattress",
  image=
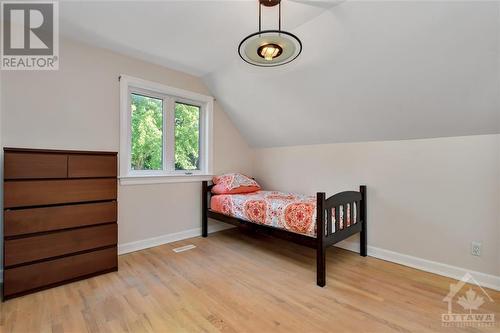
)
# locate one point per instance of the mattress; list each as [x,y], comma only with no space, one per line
[289,211]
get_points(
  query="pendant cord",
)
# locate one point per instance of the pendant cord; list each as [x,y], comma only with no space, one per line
[279,16]
[260,16]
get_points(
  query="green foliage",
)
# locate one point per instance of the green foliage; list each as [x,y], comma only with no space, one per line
[147,134]
[187,140]
[147,137]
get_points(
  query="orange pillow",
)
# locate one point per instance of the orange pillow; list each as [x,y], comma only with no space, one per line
[234,183]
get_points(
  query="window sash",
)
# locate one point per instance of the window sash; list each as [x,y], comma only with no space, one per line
[201,132]
[163,98]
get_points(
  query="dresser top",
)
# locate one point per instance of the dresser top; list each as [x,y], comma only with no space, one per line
[57,151]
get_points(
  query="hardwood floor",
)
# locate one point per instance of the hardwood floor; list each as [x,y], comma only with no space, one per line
[241,282]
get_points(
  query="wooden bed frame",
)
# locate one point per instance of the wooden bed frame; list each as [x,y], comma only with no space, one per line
[325,237]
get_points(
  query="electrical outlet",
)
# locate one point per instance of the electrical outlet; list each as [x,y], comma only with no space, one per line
[475,248]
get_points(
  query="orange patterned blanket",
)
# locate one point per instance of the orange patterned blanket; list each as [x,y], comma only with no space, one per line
[289,211]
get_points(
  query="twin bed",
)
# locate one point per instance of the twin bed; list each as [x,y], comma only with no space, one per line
[317,222]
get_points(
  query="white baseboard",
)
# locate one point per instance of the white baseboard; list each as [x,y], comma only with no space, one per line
[168,238]
[485,280]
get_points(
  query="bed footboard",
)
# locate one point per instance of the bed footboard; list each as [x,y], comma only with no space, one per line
[339,217]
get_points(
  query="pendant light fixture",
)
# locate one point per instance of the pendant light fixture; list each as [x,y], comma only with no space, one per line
[270,48]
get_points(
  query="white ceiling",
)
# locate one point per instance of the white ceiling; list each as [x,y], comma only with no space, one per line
[369,70]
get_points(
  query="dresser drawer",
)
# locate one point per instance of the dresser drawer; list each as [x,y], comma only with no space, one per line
[49,192]
[27,249]
[88,166]
[35,165]
[26,221]
[45,274]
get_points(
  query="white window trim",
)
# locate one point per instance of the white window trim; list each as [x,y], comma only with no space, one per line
[168,174]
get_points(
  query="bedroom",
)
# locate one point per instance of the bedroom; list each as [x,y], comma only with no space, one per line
[99,175]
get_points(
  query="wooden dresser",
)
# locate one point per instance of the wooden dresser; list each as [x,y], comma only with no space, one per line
[60,214]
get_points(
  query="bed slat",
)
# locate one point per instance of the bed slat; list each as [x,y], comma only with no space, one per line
[337,218]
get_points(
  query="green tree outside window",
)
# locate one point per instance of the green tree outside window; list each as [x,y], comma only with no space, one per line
[147,134]
[187,137]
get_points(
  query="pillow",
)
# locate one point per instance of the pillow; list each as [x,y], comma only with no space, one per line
[234,183]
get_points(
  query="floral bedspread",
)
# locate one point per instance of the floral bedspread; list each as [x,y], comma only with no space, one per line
[289,211]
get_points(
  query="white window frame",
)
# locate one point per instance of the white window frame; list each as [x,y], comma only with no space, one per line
[169,95]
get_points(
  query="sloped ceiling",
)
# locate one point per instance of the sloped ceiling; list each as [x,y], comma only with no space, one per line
[368,71]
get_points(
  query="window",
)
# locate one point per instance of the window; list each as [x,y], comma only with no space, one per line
[165,133]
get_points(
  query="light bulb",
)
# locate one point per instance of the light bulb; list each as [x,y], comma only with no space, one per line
[269,51]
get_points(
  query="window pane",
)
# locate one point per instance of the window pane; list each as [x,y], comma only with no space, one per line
[187,137]
[147,133]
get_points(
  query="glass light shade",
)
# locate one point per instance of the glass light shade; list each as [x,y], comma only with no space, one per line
[252,47]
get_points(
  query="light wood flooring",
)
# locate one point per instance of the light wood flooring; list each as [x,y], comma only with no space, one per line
[241,282]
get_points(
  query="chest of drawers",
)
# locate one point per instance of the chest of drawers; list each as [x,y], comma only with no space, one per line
[60,217]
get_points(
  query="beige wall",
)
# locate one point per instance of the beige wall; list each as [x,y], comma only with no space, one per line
[426,198]
[77,107]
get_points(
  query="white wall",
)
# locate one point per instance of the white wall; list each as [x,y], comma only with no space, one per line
[77,107]
[426,198]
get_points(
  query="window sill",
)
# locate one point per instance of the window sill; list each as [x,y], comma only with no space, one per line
[144,180]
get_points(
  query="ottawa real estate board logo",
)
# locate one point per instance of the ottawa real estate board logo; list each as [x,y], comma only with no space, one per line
[466,300]
[30,35]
